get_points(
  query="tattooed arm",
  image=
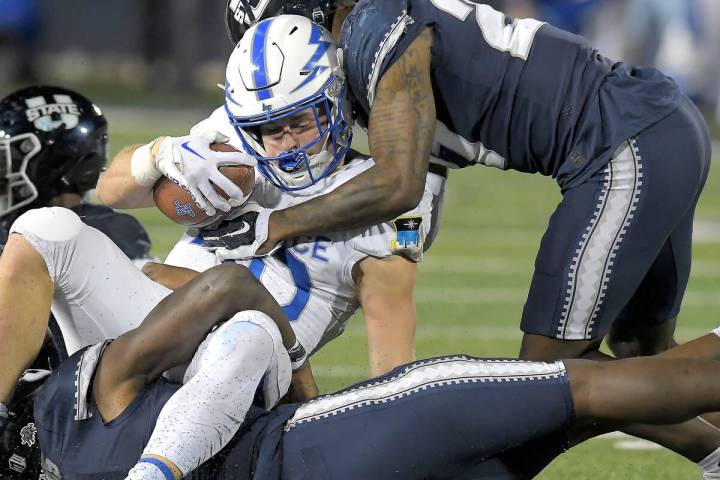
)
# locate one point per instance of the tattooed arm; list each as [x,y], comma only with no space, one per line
[401,128]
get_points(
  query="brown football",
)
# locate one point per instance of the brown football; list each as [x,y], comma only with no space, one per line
[177,204]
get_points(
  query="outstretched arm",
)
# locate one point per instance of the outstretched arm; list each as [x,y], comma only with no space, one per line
[401,129]
[172,332]
[189,161]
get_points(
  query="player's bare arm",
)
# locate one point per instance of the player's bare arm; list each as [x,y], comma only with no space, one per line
[118,188]
[168,275]
[401,129]
[189,161]
[385,291]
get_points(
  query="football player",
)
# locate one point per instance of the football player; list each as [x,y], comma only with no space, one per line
[315,278]
[300,140]
[524,96]
[53,145]
[105,293]
[442,418]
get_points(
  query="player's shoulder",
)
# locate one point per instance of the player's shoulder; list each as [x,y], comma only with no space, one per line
[374,34]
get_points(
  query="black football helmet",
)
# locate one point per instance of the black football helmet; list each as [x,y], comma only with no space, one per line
[242,14]
[20,457]
[52,141]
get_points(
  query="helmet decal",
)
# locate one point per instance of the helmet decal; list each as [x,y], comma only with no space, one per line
[28,434]
[259,60]
[310,67]
[49,116]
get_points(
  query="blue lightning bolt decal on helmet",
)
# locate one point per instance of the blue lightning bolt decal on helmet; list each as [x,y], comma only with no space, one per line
[283,66]
[311,66]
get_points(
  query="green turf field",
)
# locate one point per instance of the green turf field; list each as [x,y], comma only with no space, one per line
[473,283]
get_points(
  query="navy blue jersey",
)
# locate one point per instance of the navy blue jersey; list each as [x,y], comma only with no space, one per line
[124,230]
[73,438]
[76,442]
[512,94]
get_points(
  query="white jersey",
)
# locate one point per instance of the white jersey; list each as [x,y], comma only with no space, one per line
[312,277]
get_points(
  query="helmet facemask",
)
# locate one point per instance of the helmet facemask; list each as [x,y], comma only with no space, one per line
[16,189]
[299,168]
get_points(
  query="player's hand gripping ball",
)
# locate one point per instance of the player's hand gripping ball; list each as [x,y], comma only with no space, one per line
[177,204]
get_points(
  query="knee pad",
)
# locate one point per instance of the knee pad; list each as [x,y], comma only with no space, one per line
[49,224]
[49,230]
[277,380]
[245,333]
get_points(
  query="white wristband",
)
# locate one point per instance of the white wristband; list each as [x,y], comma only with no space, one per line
[143,167]
[298,355]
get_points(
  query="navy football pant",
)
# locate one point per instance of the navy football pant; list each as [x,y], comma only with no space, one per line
[445,418]
[618,247]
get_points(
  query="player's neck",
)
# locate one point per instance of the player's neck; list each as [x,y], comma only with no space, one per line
[66,200]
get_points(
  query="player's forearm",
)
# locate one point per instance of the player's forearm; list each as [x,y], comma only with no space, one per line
[118,188]
[171,333]
[167,275]
[370,198]
[391,339]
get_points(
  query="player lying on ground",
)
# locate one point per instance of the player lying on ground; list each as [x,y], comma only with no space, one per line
[52,148]
[304,133]
[123,300]
[437,418]
[211,422]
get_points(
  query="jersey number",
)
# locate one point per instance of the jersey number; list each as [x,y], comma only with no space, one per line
[515,38]
[300,276]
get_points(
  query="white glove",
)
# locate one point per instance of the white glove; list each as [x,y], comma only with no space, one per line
[241,237]
[189,162]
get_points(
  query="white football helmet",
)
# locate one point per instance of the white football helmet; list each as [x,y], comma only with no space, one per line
[282,66]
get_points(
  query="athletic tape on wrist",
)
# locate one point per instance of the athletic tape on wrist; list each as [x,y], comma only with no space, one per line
[298,355]
[142,168]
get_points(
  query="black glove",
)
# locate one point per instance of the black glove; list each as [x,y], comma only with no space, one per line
[241,237]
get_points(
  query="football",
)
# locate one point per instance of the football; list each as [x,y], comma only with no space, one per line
[176,203]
